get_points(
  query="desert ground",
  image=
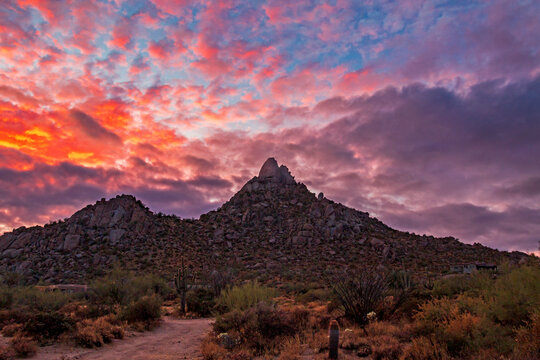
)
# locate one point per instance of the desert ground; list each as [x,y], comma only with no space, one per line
[173,339]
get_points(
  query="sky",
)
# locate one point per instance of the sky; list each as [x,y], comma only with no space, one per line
[426,114]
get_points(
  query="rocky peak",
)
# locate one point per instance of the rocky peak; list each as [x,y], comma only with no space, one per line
[275,173]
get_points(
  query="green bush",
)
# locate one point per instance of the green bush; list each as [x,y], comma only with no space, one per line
[201,301]
[113,289]
[12,279]
[315,295]
[451,286]
[150,284]
[245,296]
[120,288]
[486,315]
[515,296]
[147,308]
[44,301]
[6,298]
[461,325]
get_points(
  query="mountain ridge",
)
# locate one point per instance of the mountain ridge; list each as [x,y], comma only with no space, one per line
[271,221]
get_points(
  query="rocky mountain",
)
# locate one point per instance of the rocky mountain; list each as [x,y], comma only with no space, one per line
[273,228]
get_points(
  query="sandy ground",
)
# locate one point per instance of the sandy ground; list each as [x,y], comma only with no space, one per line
[173,339]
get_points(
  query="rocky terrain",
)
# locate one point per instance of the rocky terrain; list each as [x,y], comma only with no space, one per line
[272,228]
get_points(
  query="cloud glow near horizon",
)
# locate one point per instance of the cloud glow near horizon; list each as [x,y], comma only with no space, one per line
[426,114]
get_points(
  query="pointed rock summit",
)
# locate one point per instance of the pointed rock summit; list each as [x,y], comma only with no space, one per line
[272,171]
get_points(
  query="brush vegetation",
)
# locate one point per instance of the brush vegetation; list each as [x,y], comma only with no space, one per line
[33,315]
[388,316]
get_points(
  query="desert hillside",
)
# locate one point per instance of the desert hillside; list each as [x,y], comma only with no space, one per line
[273,227]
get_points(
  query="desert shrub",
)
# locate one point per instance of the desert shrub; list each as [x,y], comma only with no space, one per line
[32,298]
[402,331]
[318,341]
[87,336]
[221,280]
[461,324]
[291,349]
[11,329]
[260,327]
[515,296]
[145,309]
[47,327]
[6,297]
[201,301]
[212,351]
[23,346]
[245,296]
[94,333]
[450,286]
[360,294]
[385,347]
[312,295]
[120,288]
[81,310]
[6,353]
[424,348]
[113,289]
[12,279]
[351,340]
[150,284]
[528,340]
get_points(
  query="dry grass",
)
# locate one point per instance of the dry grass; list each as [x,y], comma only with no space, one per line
[403,331]
[385,347]
[292,348]
[318,341]
[212,351]
[423,348]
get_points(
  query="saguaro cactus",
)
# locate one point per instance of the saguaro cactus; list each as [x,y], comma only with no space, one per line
[333,340]
[183,282]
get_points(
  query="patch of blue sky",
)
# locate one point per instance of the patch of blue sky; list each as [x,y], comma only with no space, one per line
[36,19]
[130,8]
[254,125]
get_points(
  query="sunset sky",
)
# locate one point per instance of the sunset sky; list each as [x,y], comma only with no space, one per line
[426,114]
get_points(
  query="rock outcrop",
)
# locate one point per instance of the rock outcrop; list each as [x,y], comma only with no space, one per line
[273,227]
[279,174]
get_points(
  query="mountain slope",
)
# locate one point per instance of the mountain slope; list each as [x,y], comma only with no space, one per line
[273,227]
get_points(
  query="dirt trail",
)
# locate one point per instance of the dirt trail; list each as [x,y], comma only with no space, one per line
[173,339]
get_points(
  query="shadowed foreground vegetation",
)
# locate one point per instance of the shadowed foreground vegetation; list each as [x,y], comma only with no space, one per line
[32,316]
[382,315]
[388,316]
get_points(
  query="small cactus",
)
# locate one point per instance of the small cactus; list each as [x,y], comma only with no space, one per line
[333,340]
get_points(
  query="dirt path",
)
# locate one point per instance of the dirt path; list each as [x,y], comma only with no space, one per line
[173,339]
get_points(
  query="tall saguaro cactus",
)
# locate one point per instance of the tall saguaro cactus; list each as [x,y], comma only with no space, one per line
[333,340]
[183,282]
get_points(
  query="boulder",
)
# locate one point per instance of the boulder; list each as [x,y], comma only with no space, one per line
[71,242]
[115,235]
[12,253]
[21,241]
[118,214]
[280,174]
